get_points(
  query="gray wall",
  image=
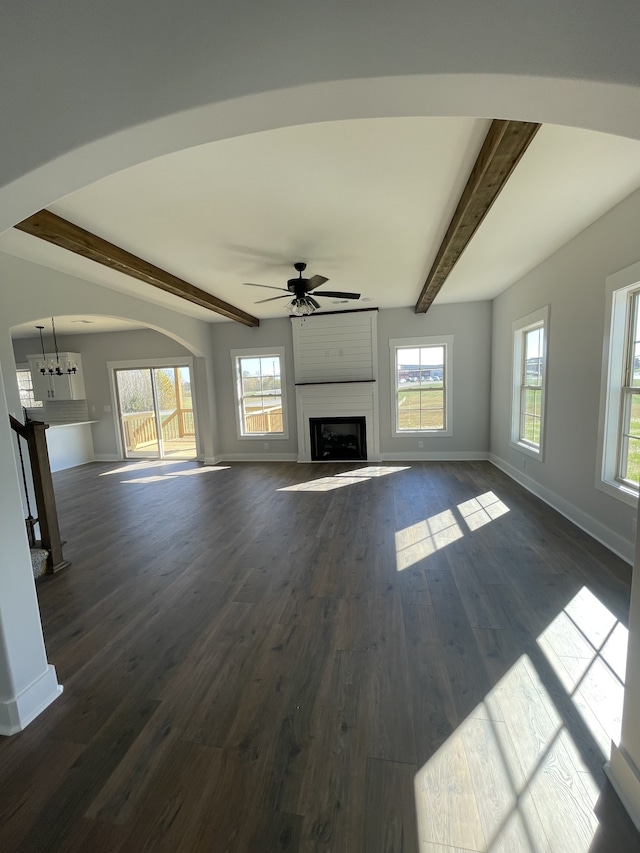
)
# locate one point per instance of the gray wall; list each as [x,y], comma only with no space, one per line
[96,350]
[470,325]
[572,282]
[228,336]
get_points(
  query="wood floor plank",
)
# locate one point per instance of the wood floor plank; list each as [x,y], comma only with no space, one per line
[458,647]
[389,816]
[434,713]
[300,726]
[477,599]
[86,776]
[332,789]
[372,621]
[42,773]
[262,657]
[387,711]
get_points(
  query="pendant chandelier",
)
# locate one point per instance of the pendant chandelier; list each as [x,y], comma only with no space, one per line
[52,365]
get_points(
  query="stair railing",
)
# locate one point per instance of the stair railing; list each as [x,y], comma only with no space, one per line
[33,433]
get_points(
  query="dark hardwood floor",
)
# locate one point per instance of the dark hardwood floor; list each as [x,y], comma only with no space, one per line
[282,657]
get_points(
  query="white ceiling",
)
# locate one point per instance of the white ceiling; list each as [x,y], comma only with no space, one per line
[72,325]
[365,203]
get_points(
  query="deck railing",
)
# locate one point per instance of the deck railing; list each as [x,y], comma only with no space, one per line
[266,420]
[140,427]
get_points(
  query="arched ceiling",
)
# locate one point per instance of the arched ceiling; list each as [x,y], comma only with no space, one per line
[364,202]
[264,101]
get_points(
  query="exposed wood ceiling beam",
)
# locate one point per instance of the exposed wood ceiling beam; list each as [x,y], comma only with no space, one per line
[54,229]
[501,151]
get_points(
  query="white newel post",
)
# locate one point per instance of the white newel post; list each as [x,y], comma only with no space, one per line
[623,768]
[28,684]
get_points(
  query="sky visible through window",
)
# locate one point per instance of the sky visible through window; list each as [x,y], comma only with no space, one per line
[414,357]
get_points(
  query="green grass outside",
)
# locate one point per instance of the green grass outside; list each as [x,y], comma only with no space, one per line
[421,406]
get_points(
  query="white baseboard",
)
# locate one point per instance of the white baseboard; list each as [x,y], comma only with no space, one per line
[625,778]
[436,456]
[603,534]
[106,457]
[17,713]
[256,457]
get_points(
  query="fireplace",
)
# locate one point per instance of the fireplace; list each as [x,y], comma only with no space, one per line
[338,438]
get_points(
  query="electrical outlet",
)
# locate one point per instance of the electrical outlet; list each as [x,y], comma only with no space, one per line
[421,444]
[266,445]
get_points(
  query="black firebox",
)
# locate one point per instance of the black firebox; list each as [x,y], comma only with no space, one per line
[338,438]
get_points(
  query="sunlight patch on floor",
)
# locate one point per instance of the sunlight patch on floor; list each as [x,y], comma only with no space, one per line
[375,471]
[347,478]
[324,484]
[142,466]
[422,539]
[510,778]
[513,776]
[419,541]
[587,648]
[171,475]
[481,510]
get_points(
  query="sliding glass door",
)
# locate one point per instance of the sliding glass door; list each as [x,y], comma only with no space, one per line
[155,410]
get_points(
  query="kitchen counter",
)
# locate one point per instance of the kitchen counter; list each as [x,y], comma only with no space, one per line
[69,444]
[71,423]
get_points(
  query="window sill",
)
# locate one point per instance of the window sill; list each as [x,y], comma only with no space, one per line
[527,450]
[619,491]
[424,433]
[264,436]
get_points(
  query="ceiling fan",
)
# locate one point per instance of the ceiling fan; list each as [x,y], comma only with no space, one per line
[300,288]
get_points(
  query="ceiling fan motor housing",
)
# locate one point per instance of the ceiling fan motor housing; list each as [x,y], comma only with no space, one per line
[300,267]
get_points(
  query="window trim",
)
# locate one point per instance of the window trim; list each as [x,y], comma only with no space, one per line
[259,352]
[445,341]
[619,288]
[534,320]
[24,367]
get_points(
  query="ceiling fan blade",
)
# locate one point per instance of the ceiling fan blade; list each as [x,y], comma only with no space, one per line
[271,298]
[251,284]
[313,301]
[315,281]
[338,294]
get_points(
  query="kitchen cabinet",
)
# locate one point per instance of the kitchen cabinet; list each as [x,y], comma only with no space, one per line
[69,386]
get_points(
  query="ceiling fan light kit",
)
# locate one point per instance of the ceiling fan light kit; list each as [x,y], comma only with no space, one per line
[301,307]
[303,303]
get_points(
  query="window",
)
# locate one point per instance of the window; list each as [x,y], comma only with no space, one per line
[260,391]
[529,381]
[25,387]
[628,468]
[421,385]
[619,450]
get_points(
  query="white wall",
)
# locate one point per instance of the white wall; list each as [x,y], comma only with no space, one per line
[572,282]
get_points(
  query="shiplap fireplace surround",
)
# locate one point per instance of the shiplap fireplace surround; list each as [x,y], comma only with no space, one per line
[336,373]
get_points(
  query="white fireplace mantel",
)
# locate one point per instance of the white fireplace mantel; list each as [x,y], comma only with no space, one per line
[337,399]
